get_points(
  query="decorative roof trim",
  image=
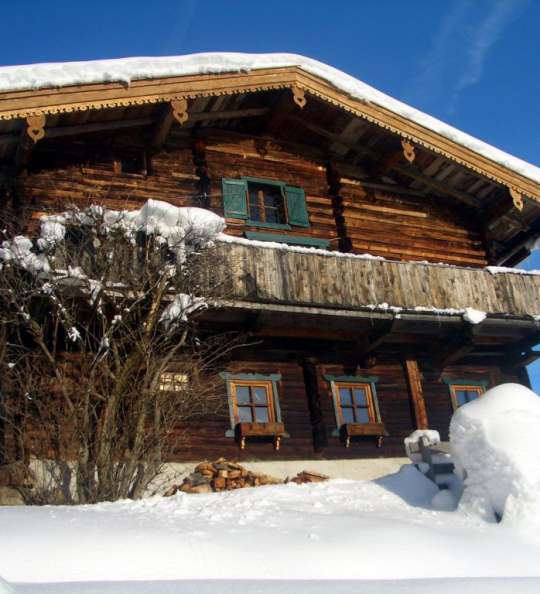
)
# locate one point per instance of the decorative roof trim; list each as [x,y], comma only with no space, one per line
[23,104]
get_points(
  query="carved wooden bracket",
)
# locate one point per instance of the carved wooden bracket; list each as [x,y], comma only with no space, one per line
[179,107]
[408,150]
[299,96]
[35,127]
[517,198]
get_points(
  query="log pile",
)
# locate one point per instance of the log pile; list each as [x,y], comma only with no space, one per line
[223,475]
[307,477]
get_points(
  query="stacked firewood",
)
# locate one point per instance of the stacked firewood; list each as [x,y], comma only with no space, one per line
[223,475]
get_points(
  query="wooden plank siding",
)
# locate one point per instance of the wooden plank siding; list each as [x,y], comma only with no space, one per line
[409,228]
[206,437]
[281,276]
[395,226]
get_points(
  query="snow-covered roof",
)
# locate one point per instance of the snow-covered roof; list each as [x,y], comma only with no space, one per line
[54,75]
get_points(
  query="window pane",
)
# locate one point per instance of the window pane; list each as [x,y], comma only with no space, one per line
[244,414]
[360,398]
[272,216]
[345,396]
[362,415]
[347,414]
[461,397]
[242,395]
[254,212]
[259,395]
[261,414]
[472,395]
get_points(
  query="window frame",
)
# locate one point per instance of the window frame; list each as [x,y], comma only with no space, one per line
[251,379]
[369,383]
[236,203]
[480,386]
[168,381]
[251,384]
[267,182]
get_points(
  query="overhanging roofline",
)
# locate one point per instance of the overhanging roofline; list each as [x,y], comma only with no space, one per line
[95,96]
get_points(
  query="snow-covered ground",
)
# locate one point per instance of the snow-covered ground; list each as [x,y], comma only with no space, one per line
[285,538]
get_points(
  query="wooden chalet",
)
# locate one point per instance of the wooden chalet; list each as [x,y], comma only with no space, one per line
[352,352]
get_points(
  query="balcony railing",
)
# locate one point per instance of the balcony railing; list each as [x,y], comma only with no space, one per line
[282,276]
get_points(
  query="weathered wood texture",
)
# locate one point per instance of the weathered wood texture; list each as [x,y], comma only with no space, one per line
[416,393]
[69,180]
[395,226]
[410,227]
[438,403]
[206,438]
[281,276]
[248,157]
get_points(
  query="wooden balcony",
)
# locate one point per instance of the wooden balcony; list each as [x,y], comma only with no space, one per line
[311,280]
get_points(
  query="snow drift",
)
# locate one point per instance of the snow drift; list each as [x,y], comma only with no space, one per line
[495,444]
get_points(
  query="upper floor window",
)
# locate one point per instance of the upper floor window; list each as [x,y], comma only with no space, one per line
[265,203]
[465,391]
[132,161]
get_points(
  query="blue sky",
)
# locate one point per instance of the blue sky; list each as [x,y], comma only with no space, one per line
[472,63]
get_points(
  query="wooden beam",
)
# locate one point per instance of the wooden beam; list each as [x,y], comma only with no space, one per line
[299,332]
[32,131]
[416,394]
[279,113]
[311,386]
[24,151]
[375,339]
[396,189]
[418,176]
[162,128]
[456,345]
[56,132]
[525,359]
[233,114]
[391,162]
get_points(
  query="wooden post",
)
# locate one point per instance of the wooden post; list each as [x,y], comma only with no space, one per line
[320,439]
[415,390]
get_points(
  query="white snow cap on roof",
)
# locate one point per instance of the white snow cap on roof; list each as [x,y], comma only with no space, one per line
[35,76]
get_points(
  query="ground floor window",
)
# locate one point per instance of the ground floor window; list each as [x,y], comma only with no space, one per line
[173,382]
[464,391]
[253,398]
[355,400]
[355,403]
[253,401]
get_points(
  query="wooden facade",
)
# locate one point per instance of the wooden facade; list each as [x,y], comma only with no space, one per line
[431,217]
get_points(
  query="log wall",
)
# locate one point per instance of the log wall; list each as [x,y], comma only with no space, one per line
[206,438]
[403,227]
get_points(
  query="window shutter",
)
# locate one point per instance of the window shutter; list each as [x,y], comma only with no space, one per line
[296,206]
[235,198]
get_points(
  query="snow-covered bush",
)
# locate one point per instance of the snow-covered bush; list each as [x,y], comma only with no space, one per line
[93,312]
[495,444]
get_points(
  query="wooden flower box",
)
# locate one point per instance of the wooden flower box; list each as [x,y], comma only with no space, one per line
[350,430]
[273,431]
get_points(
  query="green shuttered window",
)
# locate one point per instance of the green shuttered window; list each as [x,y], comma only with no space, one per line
[235,198]
[296,206]
[265,203]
